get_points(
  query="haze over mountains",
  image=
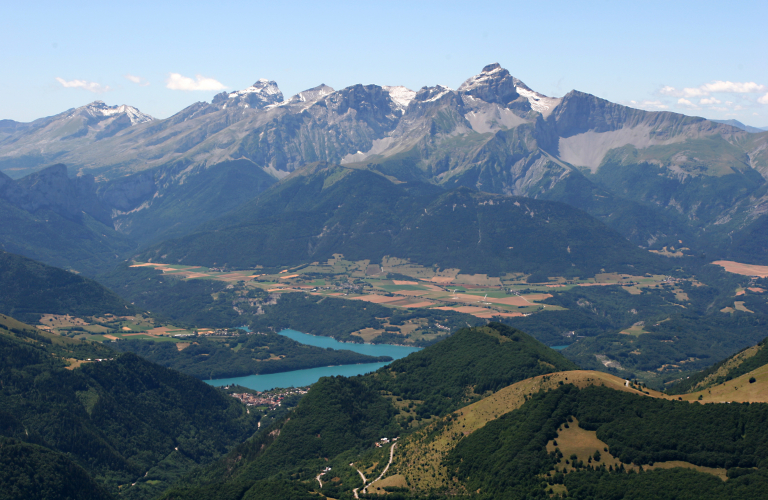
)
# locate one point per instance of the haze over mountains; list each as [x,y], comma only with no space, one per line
[660,179]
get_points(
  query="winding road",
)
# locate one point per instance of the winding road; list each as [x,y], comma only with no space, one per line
[366,484]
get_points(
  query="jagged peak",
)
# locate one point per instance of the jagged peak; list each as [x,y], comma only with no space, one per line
[99,109]
[259,95]
[262,86]
[495,84]
[313,94]
[490,73]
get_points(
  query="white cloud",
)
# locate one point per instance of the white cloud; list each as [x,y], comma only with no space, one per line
[718,86]
[694,92]
[137,80]
[763,100]
[709,101]
[649,105]
[89,86]
[734,87]
[686,103]
[178,82]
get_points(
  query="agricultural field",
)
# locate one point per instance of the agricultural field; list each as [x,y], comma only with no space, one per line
[399,283]
[110,328]
[634,326]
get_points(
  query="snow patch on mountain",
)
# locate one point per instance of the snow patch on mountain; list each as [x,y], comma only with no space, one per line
[431,94]
[539,102]
[259,95]
[400,95]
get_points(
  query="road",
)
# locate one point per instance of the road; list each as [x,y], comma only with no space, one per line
[366,484]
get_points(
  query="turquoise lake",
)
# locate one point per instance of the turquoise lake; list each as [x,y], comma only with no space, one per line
[299,378]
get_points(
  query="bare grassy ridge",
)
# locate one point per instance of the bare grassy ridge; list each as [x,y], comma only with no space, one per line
[419,457]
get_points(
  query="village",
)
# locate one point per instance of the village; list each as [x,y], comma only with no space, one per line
[271,399]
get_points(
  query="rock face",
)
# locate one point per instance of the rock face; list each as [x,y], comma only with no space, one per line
[53,190]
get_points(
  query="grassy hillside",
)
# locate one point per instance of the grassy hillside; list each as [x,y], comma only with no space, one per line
[365,216]
[133,426]
[741,363]
[508,457]
[610,416]
[29,289]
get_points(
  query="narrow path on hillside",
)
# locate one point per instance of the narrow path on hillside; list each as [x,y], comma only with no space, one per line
[362,476]
[319,481]
[391,456]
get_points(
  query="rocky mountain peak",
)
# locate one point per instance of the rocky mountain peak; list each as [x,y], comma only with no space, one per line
[492,84]
[99,110]
[311,95]
[495,84]
[259,95]
[431,94]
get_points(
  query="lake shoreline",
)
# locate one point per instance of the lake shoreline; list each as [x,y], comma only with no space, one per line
[308,376]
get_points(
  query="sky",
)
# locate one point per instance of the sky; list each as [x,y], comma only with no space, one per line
[700,58]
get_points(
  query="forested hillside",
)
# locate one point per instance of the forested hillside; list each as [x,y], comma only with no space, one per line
[363,215]
[29,471]
[29,289]
[739,364]
[133,426]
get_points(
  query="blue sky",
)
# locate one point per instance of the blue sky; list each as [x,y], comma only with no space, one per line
[702,58]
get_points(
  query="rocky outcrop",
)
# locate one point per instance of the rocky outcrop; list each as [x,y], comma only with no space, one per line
[52,189]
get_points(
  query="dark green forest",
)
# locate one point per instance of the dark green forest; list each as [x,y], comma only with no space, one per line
[32,472]
[29,289]
[368,217]
[123,420]
[484,358]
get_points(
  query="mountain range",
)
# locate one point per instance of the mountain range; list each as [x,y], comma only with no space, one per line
[660,179]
